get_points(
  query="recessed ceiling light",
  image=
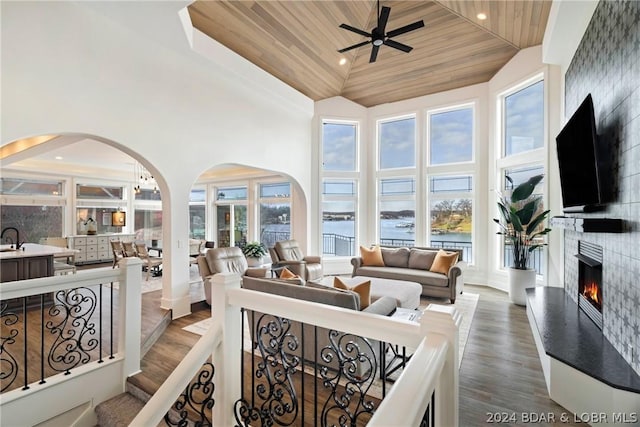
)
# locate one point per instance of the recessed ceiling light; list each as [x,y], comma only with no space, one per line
[481,16]
[58,157]
[342,61]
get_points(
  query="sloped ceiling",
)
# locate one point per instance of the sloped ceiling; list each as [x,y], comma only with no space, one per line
[298,42]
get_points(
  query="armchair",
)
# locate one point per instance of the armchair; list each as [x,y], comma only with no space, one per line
[225,260]
[287,253]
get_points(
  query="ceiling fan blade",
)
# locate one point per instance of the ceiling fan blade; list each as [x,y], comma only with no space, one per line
[355,30]
[405,29]
[354,46]
[374,53]
[383,18]
[399,46]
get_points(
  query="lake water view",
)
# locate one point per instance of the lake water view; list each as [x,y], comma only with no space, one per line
[391,229]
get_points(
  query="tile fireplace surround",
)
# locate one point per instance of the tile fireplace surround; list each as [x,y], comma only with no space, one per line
[583,371]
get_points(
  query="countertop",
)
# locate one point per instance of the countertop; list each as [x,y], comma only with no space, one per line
[33,250]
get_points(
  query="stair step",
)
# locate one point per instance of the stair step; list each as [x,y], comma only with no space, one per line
[118,411]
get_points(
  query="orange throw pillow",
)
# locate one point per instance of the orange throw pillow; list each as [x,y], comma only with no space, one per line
[287,274]
[444,261]
[362,289]
[371,257]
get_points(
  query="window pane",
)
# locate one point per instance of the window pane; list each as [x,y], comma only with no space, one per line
[451,225]
[397,144]
[338,228]
[101,217]
[524,119]
[146,194]
[31,187]
[148,224]
[274,223]
[32,222]
[451,136]
[99,192]
[339,188]
[339,141]
[223,215]
[231,193]
[197,221]
[397,223]
[397,186]
[197,196]
[458,184]
[520,175]
[281,189]
[239,225]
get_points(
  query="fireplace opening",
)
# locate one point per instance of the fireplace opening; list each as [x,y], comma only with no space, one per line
[590,286]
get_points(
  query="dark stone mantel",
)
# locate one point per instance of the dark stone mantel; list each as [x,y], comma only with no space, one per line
[569,336]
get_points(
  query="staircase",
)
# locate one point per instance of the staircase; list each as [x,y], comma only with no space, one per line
[163,348]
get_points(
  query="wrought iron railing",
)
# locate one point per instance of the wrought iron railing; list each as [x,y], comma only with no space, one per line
[56,330]
[263,382]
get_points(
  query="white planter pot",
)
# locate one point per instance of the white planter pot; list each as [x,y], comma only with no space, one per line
[254,262]
[519,280]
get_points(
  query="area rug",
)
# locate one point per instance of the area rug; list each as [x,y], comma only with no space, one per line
[465,303]
[155,283]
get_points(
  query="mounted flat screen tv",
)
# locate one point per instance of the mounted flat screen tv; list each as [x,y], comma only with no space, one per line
[577,145]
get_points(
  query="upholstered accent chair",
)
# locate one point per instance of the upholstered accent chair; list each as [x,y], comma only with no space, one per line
[287,253]
[225,260]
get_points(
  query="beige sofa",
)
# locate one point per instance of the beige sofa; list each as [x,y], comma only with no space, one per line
[324,295]
[412,264]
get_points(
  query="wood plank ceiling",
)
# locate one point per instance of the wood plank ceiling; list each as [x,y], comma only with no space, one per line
[298,42]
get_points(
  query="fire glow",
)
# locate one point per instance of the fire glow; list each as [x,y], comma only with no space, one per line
[590,292]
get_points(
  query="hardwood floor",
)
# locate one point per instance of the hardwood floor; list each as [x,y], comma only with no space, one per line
[501,372]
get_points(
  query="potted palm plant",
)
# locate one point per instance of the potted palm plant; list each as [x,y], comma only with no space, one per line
[254,251]
[521,224]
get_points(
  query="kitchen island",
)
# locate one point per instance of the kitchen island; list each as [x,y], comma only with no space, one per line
[30,261]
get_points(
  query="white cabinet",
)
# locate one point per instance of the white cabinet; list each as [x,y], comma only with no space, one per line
[93,249]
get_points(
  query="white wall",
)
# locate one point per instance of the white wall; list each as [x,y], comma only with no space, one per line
[69,67]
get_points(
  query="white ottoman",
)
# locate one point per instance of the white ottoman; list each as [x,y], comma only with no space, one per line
[407,294]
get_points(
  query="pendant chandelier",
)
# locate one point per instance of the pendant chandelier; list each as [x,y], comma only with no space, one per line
[143,179]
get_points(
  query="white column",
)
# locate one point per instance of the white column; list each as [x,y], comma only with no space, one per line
[227,356]
[129,315]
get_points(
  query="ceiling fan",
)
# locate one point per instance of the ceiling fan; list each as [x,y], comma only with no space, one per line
[378,37]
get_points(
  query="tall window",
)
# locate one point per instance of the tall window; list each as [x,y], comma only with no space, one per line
[35,207]
[338,217]
[231,215]
[518,176]
[275,212]
[524,119]
[339,187]
[148,214]
[397,211]
[451,136]
[197,213]
[451,213]
[397,143]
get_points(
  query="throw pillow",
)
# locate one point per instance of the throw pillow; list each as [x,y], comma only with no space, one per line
[362,289]
[287,274]
[421,259]
[371,257]
[443,262]
[398,257]
[289,277]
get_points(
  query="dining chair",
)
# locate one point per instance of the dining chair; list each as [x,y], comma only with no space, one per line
[150,263]
[118,252]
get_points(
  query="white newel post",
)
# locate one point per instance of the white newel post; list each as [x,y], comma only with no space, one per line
[129,315]
[444,321]
[227,356]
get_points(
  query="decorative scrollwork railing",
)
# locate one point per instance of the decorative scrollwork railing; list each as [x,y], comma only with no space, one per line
[8,363]
[195,403]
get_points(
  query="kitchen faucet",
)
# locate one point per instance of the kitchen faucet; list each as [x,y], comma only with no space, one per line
[17,242]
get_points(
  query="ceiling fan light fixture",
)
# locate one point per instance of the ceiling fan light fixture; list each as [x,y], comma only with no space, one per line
[377,42]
